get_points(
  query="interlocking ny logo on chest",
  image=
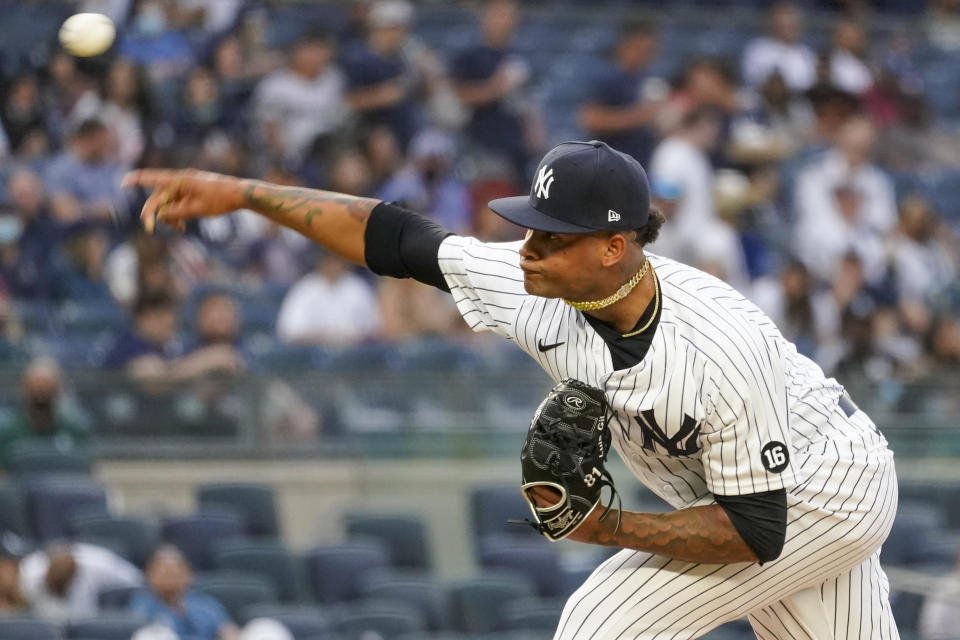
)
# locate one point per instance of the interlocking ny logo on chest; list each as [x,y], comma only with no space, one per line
[652,435]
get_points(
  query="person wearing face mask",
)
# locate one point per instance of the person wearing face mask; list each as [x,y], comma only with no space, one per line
[43,416]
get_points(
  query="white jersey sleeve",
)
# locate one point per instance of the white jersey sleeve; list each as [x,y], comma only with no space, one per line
[745,437]
[485,280]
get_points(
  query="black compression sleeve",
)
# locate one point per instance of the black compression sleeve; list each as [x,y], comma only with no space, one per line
[404,244]
[760,519]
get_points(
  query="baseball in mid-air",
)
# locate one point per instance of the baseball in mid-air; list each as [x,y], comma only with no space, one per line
[87,34]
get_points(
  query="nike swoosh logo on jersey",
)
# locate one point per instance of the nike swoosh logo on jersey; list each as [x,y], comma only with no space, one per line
[547,347]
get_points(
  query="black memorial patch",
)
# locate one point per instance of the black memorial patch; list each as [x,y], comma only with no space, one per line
[774,456]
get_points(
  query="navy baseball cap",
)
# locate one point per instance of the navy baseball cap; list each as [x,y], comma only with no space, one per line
[582,187]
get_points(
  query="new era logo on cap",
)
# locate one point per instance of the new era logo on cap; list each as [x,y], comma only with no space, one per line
[581,187]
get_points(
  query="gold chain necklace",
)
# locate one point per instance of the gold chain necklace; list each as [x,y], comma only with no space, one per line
[656,307]
[616,296]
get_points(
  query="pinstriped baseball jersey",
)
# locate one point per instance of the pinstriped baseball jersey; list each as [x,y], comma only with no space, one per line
[720,404]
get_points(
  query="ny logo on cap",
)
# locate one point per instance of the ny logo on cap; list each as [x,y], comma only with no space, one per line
[544,179]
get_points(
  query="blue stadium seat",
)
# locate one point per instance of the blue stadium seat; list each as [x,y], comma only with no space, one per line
[196,535]
[116,598]
[538,563]
[914,528]
[303,621]
[335,572]
[28,629]
[106,627]
[491,508]
[236,591]
[418,591]
[532,614]
[906,609]
[404,537]
[136,535]
[12,512]
[478,604]
[255,503]
[53,501]
[267,559]
[378,619]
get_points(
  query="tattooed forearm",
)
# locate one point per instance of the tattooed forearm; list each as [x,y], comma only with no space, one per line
[344,217]
[279,202]
[697,534]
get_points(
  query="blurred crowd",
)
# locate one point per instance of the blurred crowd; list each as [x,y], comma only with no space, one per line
[796,173]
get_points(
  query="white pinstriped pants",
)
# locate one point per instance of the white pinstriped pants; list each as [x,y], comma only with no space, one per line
[827,583]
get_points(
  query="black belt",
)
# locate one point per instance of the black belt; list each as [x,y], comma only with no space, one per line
[847,405]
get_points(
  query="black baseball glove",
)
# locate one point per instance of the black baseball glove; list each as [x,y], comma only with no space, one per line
[565,451]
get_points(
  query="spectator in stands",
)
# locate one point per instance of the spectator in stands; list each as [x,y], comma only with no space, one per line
[427,183]
[62,583]
[265,629]
[149,352]
[489,78]
[237,72]
[296,105]
[781,51]
[27,237]
[943,24]
[22,115]
[681,165]
[706,82]
[381,83]
[330,306]
[787,299]
[153,41]
[169,601]
[126,110]
[917,141]
[838,308]
[940,615]
[77,272]
[202,110]
[84,180]
[848,67]
[383,155]
[69,97]
[844,203]
[624,102]
[922,259]
[44,416]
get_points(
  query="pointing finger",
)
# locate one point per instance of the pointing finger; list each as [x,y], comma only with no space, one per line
[148,215]
[149,178]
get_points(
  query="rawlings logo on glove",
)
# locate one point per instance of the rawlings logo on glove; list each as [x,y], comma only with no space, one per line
[565,450]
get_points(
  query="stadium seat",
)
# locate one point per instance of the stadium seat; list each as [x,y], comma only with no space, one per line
[478,604]
[41,457]
[403,537]
[906,609]
[255,503]
[442,635]
[492,507]
[28,629]
[197,534]
[12,514]
[52,502]
[137,536]
[335,572]
[386,620]
[236,591]
[540,564]
[116,598]
[418,591]
[269,560]
[532,614]
[913,529]
[303,621]
[106,627]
